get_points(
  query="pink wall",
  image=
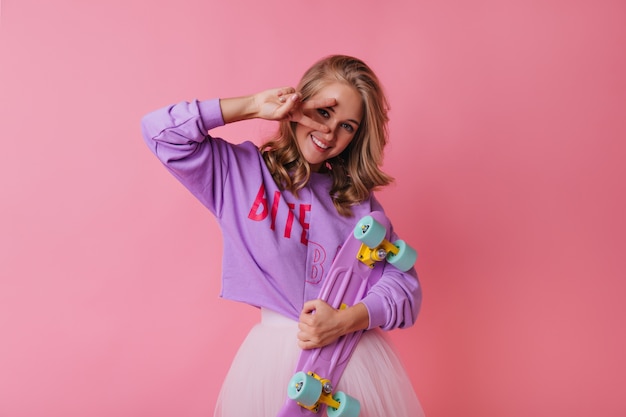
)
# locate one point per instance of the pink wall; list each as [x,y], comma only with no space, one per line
[508,145]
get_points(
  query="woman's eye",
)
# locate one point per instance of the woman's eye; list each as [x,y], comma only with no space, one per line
[323,113]
[348,127]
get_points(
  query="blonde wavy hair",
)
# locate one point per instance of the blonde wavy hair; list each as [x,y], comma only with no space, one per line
[356,171]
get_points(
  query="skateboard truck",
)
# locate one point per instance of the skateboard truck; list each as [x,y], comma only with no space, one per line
[325,397]
[370,256]
[310,391]
[375,248]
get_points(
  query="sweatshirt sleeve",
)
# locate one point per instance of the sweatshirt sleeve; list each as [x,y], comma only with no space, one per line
[395,300]
[178,136]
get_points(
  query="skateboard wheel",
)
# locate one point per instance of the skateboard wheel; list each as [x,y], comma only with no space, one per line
[304,389]
[405,258]
[369,232]
[348,406]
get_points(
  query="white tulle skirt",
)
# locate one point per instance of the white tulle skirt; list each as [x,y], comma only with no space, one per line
[256,384]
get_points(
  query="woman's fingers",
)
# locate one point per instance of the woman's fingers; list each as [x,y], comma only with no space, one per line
[319,103]
[285,90]
[313,105]
[290,106]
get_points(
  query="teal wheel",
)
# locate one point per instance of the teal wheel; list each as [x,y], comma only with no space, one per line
[405,258]
[348,406]
[304,389]
[369,232]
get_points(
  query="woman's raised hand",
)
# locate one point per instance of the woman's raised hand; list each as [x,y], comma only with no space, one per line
[286,104]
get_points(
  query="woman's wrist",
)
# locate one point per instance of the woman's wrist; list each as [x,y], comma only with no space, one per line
[356,318]
[238,108]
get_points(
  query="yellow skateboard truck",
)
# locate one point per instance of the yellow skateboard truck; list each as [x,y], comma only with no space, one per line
[310,391]
[370,256]
[375,247]
[325,395]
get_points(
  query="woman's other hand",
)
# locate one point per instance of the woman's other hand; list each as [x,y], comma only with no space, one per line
[320,324]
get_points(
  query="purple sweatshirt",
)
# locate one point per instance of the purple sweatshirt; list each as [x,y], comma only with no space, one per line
[277,248]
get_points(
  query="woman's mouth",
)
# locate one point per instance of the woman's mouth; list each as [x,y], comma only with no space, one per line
[319,143]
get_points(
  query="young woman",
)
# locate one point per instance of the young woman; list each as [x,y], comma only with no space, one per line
[285,208]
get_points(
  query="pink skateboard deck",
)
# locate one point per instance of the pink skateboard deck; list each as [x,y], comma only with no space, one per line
[346,284]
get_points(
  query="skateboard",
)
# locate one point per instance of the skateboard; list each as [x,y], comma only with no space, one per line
[358,264]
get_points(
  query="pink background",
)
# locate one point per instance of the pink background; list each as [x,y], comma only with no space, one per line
[508,144]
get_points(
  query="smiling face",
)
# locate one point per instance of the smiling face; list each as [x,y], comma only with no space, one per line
[343,120]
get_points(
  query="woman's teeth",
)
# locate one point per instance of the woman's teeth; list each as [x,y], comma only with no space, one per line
[319,143]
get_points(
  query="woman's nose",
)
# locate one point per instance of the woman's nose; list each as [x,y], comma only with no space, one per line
[329,136]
